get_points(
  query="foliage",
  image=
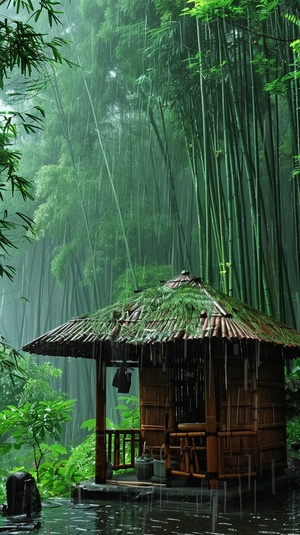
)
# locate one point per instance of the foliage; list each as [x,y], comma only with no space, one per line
[25,55]
[9,361]
[33,425]
[198,142]
[292,389]
[146,276]
[208,138]
[51,473]
[31,383]
[293,432]
[37,386]
[9,367]
[59,471]
[32,390]
[130,417]
[80,464]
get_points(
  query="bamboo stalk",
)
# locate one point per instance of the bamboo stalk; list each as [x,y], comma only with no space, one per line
[186,434]
[64,122]
[108,168]
[237,433]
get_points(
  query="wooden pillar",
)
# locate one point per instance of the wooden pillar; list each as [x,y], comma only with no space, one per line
[167,451]
[254,422]
[100,469]
[211,423]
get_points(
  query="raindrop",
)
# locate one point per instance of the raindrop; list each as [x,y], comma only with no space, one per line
[249,471]
[273,477]
[214,511]
[225,495]
[240,496]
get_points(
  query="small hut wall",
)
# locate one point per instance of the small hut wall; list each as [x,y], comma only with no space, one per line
[271,423]
[236,396]
[252,401]
[236,452]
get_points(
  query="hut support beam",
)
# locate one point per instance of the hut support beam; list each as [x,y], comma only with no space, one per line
[211,424]
[100,469]
[254,423]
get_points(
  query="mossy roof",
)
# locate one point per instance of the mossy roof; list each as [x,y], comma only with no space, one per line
[182,308]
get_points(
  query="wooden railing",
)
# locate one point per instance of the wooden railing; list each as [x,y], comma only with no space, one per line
[236,451]
[123,447]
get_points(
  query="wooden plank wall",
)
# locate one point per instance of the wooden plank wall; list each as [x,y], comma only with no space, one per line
[253,402]
[236,400]
[271,415]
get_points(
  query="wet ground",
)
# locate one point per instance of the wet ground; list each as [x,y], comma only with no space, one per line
[248,514]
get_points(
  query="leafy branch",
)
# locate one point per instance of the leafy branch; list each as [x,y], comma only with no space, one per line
[33,425]
[25,55]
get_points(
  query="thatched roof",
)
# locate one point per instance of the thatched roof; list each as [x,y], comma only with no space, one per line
[182,308]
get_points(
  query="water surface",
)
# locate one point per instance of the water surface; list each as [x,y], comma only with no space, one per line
[268,515]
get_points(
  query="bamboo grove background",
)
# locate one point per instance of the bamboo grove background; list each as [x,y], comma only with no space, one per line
[173,143]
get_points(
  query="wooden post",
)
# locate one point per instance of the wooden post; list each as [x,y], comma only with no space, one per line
[211,424]
[100,469]
[254,422]
[167,451]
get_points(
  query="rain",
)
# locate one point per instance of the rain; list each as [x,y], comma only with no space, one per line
[171,142]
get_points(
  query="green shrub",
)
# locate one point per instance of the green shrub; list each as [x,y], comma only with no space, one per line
[293,430]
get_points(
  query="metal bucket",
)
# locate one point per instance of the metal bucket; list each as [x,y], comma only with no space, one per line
[143,466]
[159,466]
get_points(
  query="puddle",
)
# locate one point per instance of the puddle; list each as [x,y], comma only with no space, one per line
[274,516]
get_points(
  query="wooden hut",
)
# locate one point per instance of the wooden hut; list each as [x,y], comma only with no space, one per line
[211,378]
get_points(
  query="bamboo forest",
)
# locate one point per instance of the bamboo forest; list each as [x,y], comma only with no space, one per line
[138,139]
